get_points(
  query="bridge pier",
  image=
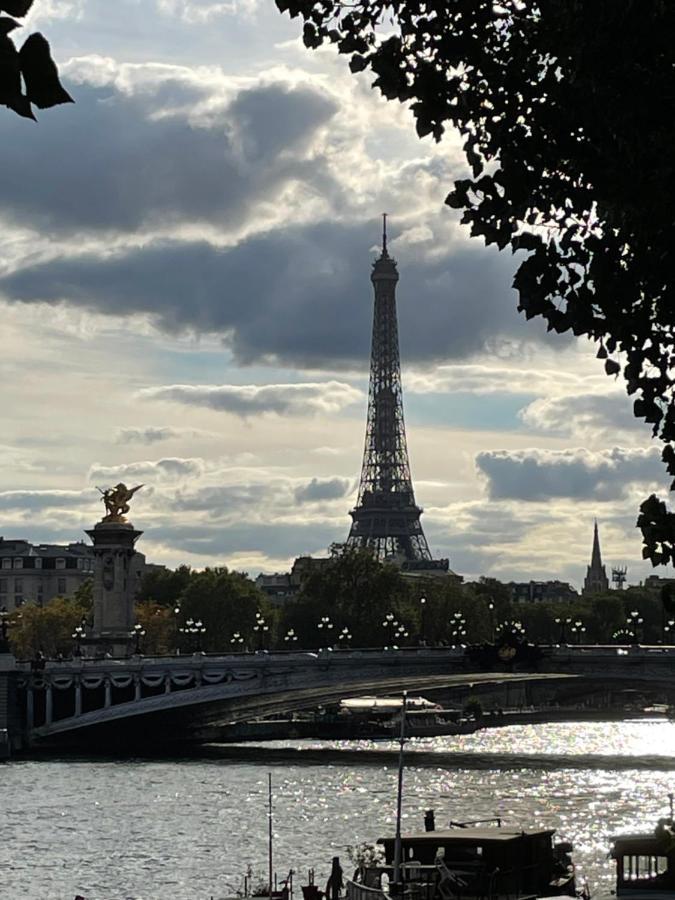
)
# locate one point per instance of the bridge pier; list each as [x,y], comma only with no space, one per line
[11,726]
[78,698]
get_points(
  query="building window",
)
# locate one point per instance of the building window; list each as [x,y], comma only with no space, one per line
[38,562]
[60,563]
[18,563]
[6,563]
[61,586]
[3,585]
[18,585]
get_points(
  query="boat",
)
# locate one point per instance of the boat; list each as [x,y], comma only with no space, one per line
[485,860]
[645,862]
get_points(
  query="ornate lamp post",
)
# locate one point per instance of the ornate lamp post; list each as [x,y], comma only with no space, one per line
[578,629]
[563,624]
[199,630]
[390,624]
[324,626]
[261,628]
[400,634]
[290,637]
[458,628]
[624,636]
[423,630]
[238,640]
[345,636]
[78,636]
[137,633]
[635,622]
[491,614]
[668,631]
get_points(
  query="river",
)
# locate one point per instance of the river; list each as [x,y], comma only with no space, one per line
[186,829]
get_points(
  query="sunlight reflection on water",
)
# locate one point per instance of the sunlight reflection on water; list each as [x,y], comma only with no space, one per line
[186,829]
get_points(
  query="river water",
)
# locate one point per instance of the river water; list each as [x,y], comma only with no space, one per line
[186,829]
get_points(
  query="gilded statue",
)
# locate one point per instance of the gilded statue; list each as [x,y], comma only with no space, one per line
[116,501]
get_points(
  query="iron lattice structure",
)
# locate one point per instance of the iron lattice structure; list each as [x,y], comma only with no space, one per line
[386,518]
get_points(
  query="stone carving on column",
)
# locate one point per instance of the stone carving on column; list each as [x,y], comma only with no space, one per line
[114,539]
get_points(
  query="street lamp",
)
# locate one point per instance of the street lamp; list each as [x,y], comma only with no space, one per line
[345,635]
[563,624]
[78,636]
[138,632]
[667,629]
[578,629]
[400,633]
[624,636]
[237,639]
[635,622]
[261,628]
[390,624]
[491,613]
[458,627]
[199,629]
[423,607]
[290,636]
[325,625]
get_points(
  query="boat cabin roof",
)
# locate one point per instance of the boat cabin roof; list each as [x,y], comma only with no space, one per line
[660,841]
[472,835]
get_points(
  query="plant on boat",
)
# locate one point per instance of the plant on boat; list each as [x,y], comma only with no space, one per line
[365,855]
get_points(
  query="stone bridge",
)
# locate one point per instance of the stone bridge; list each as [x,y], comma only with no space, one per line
[137,701]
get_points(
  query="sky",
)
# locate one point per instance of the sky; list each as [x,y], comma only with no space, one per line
[185,298]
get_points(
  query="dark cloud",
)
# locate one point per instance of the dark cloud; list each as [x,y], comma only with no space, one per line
[536,475]
[154,434]
[322,489]
[41,500]
[299,295]
[300,399]
[112,161]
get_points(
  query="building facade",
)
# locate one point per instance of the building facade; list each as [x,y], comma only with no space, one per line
[541,591]
[36,573]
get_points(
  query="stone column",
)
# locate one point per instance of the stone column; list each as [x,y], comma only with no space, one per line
[108,693]
[114,587]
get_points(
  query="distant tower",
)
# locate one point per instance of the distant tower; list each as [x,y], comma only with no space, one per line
[619,575]
[386,518]
[596,581]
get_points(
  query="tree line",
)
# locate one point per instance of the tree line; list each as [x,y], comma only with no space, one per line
[351,601]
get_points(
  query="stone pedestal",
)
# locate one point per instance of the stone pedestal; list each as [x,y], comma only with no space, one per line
[114,588]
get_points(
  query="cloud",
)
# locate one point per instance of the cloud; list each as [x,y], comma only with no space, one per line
[300,296]
[168,469]
[154,434]
[302,399]
[40,500]
[589,416]
[322,489]
[160,145]
[539,475]
[198,12]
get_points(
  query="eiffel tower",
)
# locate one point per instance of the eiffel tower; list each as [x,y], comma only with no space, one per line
[386,518]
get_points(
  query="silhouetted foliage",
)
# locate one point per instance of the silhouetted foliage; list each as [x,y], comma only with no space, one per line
[164,586]
[563,108]
[28,76]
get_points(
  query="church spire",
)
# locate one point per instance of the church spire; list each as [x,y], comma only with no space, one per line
[596,581]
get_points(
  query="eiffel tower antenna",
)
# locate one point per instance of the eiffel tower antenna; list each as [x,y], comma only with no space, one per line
[386,518]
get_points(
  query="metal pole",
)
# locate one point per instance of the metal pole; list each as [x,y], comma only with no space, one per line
[399,795]
[269,821]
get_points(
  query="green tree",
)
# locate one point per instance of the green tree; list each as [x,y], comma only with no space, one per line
[355,591]
[47,629]
[560,106]
[164,586]
[225,602]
